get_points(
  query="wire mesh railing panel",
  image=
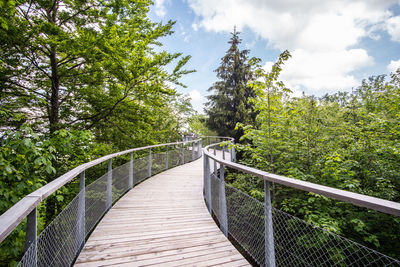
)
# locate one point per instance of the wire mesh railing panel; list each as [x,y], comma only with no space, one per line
[188,152]
[215,196]
[298,243]
[174,157]
[140,169]
[29,258]
[157,163]
[120,181]
[59,242]
[246,222]
[95,202]
[196,149]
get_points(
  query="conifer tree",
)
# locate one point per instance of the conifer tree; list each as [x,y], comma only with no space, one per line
[230,102]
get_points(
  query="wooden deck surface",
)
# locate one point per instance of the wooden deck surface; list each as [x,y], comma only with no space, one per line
[163,221]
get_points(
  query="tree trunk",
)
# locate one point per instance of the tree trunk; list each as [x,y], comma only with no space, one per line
[54,114]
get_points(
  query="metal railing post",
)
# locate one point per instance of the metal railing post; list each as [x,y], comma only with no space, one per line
[233,155]
[31,234]
[131,172]
[149,165]
[183,153]
[208,184]
[199,148]
[109,185]
[81,232]
[192,150]
[204,176]
[269,230]
[215,162]
[223,152]
[222,202]
[166,159]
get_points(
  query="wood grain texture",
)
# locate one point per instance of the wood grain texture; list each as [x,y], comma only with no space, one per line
[161,222]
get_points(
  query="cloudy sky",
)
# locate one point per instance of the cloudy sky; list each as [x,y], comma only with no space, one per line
[334,44]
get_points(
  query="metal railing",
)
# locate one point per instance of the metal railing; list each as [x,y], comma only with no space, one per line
[270,237]
[62,240]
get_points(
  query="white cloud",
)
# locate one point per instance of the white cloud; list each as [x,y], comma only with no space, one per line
[160,8]
[326,70]
[393,66]
[196,96]
[197,100]
[195,27]
[393,28]
[321,35]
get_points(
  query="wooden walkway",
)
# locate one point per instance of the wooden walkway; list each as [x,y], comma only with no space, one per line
[163,221]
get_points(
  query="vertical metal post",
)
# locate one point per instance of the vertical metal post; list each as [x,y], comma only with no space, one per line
[192,150]
[166,159]
[199,148]
[131,172]
[208,184]
[215,162]
[269,230]
[81,232]
[196,145]
[223,152]
[183,153]
[149,165]
[204,176]
[109,185]
[31,234]
[233,155]
[222,202]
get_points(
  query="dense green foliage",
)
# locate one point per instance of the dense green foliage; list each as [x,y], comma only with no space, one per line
[78,80]
[229,104]
[198,125]
[86,65]
[346,141]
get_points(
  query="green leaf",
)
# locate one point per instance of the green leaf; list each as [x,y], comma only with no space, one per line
[60,198]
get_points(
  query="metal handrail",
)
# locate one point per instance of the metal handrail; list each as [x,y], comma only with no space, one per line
[374,203]
[10,219]
[271,237]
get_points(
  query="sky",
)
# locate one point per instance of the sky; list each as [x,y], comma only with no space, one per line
[334,44]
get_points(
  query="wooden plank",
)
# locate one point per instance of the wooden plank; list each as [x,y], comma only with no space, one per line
[154,245]
[233,263]
[164,222]
[168,252]
[168,257]
[153,227]
[128,236]
[221,261]
[193,259]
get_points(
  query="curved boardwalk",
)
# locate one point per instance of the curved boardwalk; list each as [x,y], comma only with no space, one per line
[163,221]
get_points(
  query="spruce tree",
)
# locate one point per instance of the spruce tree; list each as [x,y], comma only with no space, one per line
[229,104]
